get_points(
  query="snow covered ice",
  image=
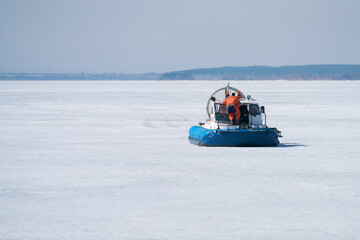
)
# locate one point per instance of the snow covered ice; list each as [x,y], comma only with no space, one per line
[111,160]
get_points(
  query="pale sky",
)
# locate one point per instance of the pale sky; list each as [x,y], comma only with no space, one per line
[139,36]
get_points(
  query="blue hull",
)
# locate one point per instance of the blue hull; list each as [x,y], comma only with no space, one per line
[258,137]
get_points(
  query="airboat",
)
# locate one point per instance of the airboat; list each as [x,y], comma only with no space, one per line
[249,131]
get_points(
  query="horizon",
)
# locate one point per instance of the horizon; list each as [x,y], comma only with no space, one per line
[190,69]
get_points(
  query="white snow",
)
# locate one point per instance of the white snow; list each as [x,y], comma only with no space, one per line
[111,160]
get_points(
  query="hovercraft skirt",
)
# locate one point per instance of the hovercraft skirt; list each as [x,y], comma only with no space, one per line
[256,137]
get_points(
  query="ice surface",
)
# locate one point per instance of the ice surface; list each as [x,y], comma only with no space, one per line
[111,160]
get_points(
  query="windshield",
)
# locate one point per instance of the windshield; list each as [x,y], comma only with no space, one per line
[254,109]
[221,113]
[220,108]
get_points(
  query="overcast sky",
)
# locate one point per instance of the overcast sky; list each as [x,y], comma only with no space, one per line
[138,36]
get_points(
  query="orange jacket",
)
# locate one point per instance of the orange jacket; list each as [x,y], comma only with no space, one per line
[232,100]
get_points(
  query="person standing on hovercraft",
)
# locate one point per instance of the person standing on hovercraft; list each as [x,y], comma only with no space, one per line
[232,106]
[239,96]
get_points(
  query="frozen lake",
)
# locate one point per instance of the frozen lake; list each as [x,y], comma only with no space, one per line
[111,160]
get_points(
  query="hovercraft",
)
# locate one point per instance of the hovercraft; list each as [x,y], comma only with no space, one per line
[248,131]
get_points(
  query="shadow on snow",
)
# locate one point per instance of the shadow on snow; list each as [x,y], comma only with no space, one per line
[286,145]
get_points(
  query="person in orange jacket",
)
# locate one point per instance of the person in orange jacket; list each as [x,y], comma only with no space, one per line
[239,97]
[232,105]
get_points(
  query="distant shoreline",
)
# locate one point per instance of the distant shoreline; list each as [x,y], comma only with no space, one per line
[300,72]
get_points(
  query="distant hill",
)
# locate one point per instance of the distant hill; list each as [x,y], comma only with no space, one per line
[304,72]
